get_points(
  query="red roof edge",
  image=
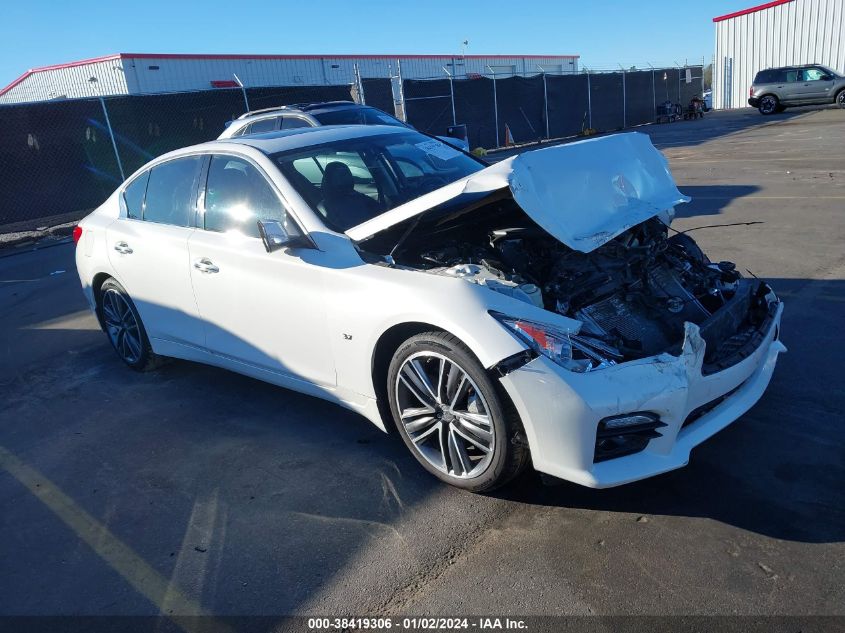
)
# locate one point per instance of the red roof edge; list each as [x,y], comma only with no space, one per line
[106,58]
[81,62]
[326,56]
[759,7]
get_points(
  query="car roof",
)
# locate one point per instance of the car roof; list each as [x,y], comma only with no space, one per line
[795,67]
[325,106]
[283,140]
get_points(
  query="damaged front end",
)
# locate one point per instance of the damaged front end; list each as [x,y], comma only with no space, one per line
[582,230]
[632,295]
[639,347]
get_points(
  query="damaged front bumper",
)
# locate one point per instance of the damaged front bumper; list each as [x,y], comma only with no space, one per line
[561,410]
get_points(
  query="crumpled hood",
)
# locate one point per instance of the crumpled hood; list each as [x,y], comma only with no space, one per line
[583,193]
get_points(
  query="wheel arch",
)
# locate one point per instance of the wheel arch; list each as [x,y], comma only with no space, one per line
[776,97]
[96,286]
[383,352]
[386,346]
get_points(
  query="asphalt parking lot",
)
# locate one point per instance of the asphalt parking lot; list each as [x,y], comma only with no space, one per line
[193,490]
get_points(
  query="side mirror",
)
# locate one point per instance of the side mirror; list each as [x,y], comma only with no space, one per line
[277,235]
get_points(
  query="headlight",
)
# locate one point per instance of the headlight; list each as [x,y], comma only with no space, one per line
[575,352]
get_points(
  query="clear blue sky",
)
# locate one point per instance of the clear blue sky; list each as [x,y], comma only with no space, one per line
[604,32]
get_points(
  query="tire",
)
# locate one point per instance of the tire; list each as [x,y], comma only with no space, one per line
[124,329]
[769,104]
[456,423]
[840,98]
[690,247]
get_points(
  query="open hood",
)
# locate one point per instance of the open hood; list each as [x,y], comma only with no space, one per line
[583,193]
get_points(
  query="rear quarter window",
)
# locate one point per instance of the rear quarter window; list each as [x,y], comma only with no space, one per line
[766,77]
[133,196]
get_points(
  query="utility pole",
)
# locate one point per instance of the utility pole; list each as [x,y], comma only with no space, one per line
[243,89]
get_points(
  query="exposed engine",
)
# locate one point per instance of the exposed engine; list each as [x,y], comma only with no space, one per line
[633,294]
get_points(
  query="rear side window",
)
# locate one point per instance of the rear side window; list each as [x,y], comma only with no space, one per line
[789,76]
[170,191]
[133,196]
[264,125]
[293,122]
[238,196]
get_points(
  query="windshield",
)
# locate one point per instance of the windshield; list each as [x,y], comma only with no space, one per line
[357,116]
[350,181]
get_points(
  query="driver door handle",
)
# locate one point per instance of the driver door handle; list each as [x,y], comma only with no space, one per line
[205,265]
[122,247]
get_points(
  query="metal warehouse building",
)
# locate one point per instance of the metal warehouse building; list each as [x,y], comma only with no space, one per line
[150,73]
[778,33]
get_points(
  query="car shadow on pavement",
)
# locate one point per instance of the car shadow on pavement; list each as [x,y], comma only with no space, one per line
[779,469]
[711,199]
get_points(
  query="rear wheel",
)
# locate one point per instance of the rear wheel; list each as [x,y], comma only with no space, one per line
[123,326]
[451,416]
[768,104]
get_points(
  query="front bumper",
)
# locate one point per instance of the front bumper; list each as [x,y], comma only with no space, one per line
[753,102]
[560,409]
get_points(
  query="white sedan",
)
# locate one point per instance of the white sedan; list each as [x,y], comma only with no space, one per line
[532,312]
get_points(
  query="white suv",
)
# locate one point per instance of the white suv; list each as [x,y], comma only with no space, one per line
[315,115]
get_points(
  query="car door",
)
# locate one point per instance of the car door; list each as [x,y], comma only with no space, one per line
[148,248]
[263,309]
[789,87]
[817,84]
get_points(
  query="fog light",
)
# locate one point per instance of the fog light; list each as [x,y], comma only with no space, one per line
[625,421]
[625,434]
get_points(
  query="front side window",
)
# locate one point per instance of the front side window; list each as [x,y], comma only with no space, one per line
[353,180]
[170,191]
[133,196]
[814,74]
[238,196]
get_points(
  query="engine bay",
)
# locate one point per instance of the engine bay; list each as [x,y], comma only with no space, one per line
[633,294]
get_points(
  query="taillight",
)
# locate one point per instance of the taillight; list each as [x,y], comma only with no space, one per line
[77,234]
[751,91]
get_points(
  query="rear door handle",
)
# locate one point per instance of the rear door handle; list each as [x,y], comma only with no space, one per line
[122,247]
[205,265]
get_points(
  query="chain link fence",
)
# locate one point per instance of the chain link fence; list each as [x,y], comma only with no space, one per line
[60,159]
[499,110]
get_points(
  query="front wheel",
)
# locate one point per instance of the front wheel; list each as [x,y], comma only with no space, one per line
[768,104]
[840,99]
[451,416]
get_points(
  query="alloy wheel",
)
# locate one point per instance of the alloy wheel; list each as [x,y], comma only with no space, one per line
[445,415]
[121,326]
[840,99]
[768,105]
